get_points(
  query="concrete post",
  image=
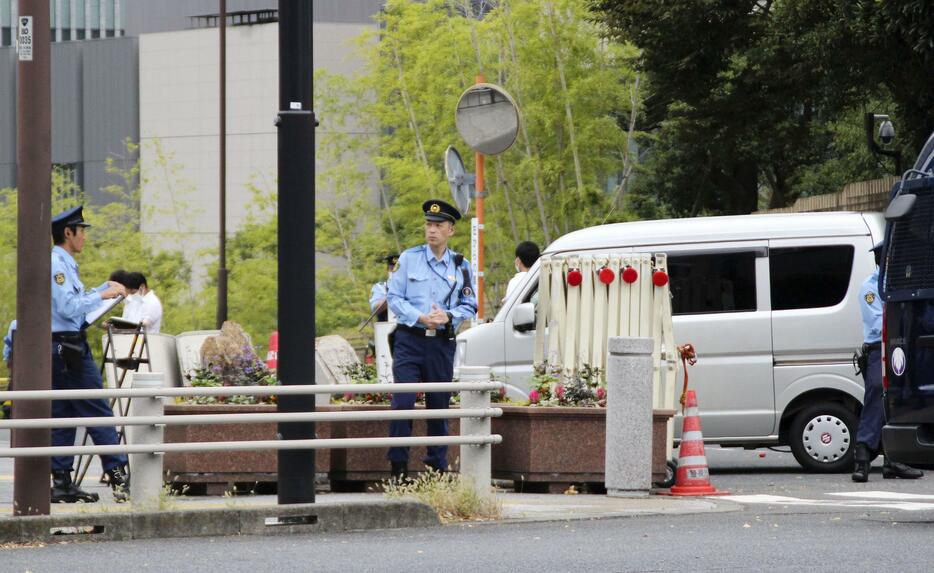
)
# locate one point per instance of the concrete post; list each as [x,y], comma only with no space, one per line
[146,469]
[629,417]
[475,459]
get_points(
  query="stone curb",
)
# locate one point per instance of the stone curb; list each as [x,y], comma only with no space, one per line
[262,520]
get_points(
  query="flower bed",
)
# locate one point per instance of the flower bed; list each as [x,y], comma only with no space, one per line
[357,469]
[551,448]
[216,472]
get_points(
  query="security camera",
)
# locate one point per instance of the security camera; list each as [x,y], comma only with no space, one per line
[886,132]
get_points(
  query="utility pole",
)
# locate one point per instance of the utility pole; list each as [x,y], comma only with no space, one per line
[32,361]
[222,258]
[296,122]
[480,185]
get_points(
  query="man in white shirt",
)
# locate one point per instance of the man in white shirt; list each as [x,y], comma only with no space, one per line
[526,254]
[150,307]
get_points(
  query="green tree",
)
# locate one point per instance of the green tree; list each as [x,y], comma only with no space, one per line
[755,102]
[570,166]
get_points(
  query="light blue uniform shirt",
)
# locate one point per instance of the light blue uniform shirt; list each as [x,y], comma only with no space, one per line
[378,294]
[870,305]
[70,302]
[8,342]
[422,280]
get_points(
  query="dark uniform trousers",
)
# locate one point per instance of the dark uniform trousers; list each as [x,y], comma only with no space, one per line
[421,359]
[872,417]
[85,376]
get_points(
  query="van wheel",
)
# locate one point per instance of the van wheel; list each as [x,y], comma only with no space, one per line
[671,470]
[822,438]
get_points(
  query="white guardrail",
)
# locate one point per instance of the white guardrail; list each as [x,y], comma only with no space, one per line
[146,421]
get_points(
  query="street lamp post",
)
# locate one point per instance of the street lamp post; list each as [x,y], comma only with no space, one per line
[296,314]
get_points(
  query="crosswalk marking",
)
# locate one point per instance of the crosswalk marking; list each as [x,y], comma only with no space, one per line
[896,495]
[877,500]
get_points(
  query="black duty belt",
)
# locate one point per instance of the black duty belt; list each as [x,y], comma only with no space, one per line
[73,337]
[416,330]
[872,346]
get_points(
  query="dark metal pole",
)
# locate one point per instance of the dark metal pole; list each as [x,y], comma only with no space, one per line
[296,243]
[222,263]
[32,357]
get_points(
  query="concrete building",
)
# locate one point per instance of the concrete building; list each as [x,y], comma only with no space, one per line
[148,71]
[94,89]
[179,122]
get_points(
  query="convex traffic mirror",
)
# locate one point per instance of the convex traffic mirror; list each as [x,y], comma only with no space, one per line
[487,118]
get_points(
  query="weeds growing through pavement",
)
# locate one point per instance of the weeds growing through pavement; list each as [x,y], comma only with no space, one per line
[451,495]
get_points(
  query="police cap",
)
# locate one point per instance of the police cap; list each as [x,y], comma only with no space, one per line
[437,210]
[70,217]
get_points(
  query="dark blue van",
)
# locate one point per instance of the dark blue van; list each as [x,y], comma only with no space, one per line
[907,281]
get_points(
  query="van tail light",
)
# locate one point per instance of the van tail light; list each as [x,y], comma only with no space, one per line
[885,370]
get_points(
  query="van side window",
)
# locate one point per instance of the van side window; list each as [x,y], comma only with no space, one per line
[809,277]
[721,282]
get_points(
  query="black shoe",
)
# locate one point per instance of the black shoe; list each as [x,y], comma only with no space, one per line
[399,472]
[861,473]
[65,491]
[892,470]
[862,460]
[119,483]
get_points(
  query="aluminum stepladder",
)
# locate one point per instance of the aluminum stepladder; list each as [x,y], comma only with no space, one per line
[138,354]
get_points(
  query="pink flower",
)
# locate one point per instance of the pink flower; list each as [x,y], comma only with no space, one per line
[534,397]
[348,396]
[559,392]
[601,393]
[502,392]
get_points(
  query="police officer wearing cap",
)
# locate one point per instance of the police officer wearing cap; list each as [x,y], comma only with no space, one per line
[431,294]
[872,418]
[73,367]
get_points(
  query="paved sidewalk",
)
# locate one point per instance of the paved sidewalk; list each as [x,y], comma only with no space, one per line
[198,515]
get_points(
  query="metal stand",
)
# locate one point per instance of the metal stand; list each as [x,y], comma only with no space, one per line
[120,366]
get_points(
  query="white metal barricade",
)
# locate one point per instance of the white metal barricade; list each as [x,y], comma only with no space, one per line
[585,299]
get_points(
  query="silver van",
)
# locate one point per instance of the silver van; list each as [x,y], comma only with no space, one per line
[770,302]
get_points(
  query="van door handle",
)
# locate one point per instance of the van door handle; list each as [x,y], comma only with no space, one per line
[926,341]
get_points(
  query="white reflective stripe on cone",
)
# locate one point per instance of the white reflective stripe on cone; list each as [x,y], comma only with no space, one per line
[692,461]
[691,436]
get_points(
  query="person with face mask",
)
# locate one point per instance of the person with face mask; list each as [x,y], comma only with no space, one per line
[527,253]
[148,308]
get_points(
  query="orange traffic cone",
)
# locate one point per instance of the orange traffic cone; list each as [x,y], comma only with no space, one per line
[693,477]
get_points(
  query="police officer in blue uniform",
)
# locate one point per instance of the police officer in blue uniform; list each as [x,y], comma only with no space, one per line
[73,367]
[872,418]
[431,294]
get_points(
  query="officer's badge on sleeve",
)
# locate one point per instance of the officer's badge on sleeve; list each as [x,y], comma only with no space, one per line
[870,297]
[59,278]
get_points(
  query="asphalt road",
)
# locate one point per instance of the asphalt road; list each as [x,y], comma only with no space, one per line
[786,520]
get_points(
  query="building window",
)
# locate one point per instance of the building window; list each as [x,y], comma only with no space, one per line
[809,277]
[72,176]
[709,283]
